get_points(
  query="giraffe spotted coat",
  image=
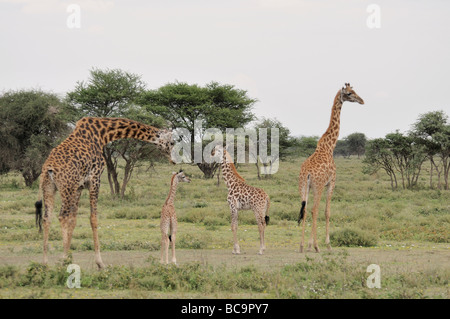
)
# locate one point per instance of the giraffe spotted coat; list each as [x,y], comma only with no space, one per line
[77,163]
[168,224]
[242,196]
[319,170]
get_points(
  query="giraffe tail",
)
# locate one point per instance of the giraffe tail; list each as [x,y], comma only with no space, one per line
[302,212]
[38,213]
[304,193]
[267,218]
[170,230]
[38,206]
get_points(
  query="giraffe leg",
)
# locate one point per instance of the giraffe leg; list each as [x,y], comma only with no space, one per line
[261,226]
[94,187]
[304,186]
[164,239]
[173,235]
[49,203]
[262,247]
[302,241]
[68,215]
[313,238]
[234,225]
[164,248]
[67,218]
[327,212]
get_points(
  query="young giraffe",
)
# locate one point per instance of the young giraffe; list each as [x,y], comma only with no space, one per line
[78,163]
[242,196]
[168,223]
[319,169]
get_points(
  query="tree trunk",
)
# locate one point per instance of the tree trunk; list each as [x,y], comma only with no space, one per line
[30,176]
[257,169]
[446,164]
[208,169]
[218,177]
[431,173]
[129,166]
[111,167]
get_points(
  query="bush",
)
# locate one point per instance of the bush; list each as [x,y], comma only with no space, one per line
[192,241]
[351,237]
[214,221]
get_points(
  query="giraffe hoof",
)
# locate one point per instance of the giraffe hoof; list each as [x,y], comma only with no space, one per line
[101,266]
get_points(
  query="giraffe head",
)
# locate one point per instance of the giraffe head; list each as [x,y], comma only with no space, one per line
[164,141]
[348,94]
[220,151]
[181,177]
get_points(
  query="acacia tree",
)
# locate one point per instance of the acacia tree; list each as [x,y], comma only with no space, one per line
[396,153]
[432,131]
[304,146]
[113,93]
[379,156]
[283,145]
[33,123]
[197,108]
[353,144]
[356,143]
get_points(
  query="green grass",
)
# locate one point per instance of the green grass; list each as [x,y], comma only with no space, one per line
[404,231]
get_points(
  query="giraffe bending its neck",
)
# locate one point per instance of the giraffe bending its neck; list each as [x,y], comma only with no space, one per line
[168,223]
[319,170]
[242,196]
[78,163]
[105,130]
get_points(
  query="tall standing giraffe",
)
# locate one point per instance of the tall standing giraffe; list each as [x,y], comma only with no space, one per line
[242,196]
[168,224]
[78,163]
[319,170]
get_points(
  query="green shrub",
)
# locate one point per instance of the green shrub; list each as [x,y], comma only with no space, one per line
[193,216]
[192,241]
[350,237]
[214,221]
[200,205]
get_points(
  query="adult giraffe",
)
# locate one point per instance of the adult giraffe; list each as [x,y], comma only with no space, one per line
[78,163]
[319,170]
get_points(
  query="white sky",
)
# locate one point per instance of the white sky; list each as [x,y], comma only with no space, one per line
[291,55]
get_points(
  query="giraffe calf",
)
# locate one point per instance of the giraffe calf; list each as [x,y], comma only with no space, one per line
[242,196]
[168,223]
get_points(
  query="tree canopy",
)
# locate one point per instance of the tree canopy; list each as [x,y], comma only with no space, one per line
[196,108]
[113,93]
[32,124]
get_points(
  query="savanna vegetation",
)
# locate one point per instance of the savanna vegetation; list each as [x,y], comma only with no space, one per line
[405,232]
[390,207]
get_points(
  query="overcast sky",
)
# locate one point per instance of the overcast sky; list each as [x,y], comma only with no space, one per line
[293,56]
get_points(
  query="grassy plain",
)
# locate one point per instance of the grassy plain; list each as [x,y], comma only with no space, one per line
[405,232]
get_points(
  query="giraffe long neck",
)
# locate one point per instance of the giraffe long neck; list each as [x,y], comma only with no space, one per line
[329,138]
[229,172]
[173,190]
[110,129]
